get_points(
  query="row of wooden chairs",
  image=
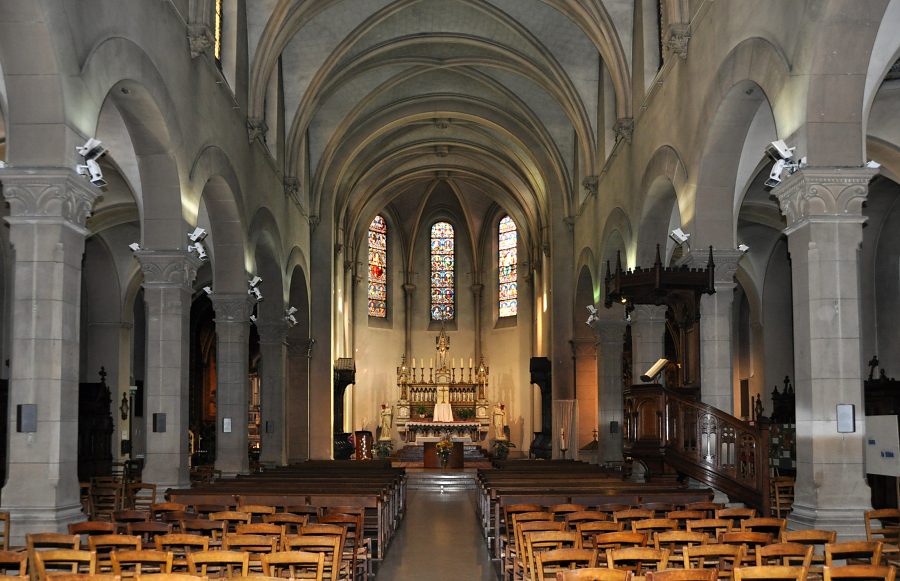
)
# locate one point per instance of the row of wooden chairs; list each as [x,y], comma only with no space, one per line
[852,572]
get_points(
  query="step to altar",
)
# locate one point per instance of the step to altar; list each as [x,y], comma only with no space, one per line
[414,453]
[435,479]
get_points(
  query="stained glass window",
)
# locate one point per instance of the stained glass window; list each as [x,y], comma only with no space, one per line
[378,268]
[217,32]
[442,272]
[507,261]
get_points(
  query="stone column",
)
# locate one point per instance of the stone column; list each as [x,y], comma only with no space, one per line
[408,293]
[297,399]
[273,352]
[823,207]
[648,328]
[477,293]
[716,351]
[233,382]
[610,339]
[168,276]
[48,209]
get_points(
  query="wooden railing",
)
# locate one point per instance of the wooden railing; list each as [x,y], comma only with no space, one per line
[672,431]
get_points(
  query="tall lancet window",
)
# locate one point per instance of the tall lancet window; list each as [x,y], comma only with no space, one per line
[507,262]
[443,297]
[217,31]
[378,268]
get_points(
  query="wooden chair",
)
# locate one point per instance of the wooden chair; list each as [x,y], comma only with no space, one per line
[612,507]
[883,525]
[548,563]
[4,531]
[262,529]
[736,515]
[709,508]
[538,541]
[106,499]
[711,526]
[519,558]
[330,546]
[123,517]
[204,510]
[860,572]
[632,514]
[782,497]
[771,525]
[605,542]
[297,564]
[573,518]
[653,525]
[786,554]
[311,511]
[256,511]
[638,559]
[181,545]
[83,577]
[254,545]
[158,509]
[14,561]
[682,516]
[128,563]
[221,563]
[594,574]
[723,557]
[659,508]
[770,572]
[42,541]
[231,519]
[856,552]
[356,546]
[561,510]
[103,545]
[509,512]
[683,575]
[676,541]
[749,540]
[171,577]
[148,531]
[214,530]
[589,530]
[817,539]
[89,528]
[63,561]
[140,495]
[290,521]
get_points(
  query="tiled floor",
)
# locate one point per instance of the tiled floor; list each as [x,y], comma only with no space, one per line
[439,540]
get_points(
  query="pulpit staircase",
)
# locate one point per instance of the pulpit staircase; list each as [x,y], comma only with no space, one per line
[671,431]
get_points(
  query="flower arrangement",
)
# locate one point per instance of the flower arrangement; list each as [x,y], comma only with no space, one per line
[383,448]
[501,448]
[444,447]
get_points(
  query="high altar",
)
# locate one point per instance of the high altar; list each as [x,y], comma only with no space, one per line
[453,396]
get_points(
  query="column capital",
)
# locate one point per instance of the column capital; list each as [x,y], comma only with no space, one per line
[168,268]
[408,288]
[38,194]
[232,307]
[649,313]
[272,332]
[823,194]
[726,262]
[610,331]
[477,289]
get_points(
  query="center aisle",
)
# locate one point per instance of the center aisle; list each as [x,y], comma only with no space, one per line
[438,540]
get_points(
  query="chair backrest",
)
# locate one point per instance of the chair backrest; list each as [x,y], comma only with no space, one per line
[130,515]
[563,509]
[860,572]
[159,508]
[40,541]
[782,497]
[171,577]
[683,575]
[630,514]
[259,528]
[725,557]
[256,511]
[712,526]
[290,521]
[883,525]
[749,539]
[140,495]
[214,529]
[772,525]
[709,508]
[682,516]
[533,526]
[130,563]
[106,498]
[92,527]
[251,543]
[63,561]
[328,544]
[606,541]
[74,577]
[298,564]
[231,518]
[14,560]
[585,516]
[548,563]
[148,531]
[810,537]
[594,574]
[544,540]
[675,541]
[736,514]
[590,529]
[181,545]
[649,525]
[4,531]
[868,550]
[770,572]
[793,554]
[659,508]
[220,562]
[103,545]
[638,559]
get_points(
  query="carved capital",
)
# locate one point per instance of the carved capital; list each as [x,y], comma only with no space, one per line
[168,268]
[200,38]
[272,332]
[53,193]
[590,185]
[726,262]
[649,314]
[313,222]
[232,307]
[409,289]
[823,194]
[677,39]
[624,129]
[292,187]
[257,129]
[477,289]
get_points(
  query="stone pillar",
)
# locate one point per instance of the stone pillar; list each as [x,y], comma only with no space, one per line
[233,382]
[610,339]
[823,207]
[477,293]
[716,350]
[48,209]
[648,329]
[168,276]
[323,313]
[297,399]
[273,352]
[408,292]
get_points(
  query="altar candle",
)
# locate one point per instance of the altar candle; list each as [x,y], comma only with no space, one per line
[470,363]
[562,439]
[453,362]
[431,363]
[414,362]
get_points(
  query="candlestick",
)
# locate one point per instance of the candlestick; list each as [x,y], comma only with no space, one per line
[413,363]
[453,362]
[470,363]
[431,363]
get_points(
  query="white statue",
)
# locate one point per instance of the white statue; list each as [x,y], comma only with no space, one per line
[443,347]
[385,424]
[499,421]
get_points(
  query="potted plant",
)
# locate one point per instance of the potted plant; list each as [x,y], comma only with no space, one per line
[421,411]
[444,447]
[501,448]
[383,448]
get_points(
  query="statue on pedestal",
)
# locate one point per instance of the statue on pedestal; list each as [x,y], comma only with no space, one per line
[499,421]
[443,347]
[385,422]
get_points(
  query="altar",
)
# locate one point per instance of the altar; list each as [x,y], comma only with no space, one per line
[418,432]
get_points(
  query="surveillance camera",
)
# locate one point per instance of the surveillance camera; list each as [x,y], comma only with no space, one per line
[655,370]
[591,309]
[775,173]
[743,247]
[255,293]
[291,311]
[134,246]
[780,150]
[253,319]
[872,164]
[679,236]
[197,235]
[91,150]
[92,170]
[207,290]
[253,282]
[199,249]
[291,320]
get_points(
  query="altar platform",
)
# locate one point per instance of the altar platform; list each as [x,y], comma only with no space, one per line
[420,431]
[412,457]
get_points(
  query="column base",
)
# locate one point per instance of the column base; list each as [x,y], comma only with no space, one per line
[849,523]
[27,520]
